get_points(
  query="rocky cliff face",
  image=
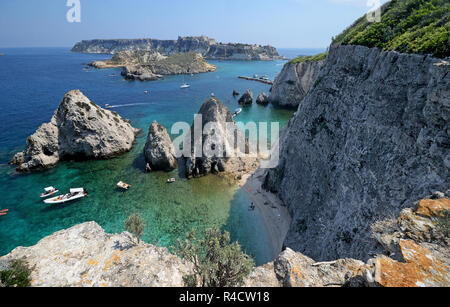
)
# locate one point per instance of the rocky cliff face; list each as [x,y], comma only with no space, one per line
[293,83]
[159,151]
[79,129]
[369,138]
[207,47]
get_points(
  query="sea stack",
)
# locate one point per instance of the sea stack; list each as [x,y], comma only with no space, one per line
[79,129]
[246,98]
[227,155]
[159,151]
[262,99]
[294,82]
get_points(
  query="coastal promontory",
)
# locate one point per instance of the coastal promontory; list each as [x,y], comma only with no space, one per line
[207,47]
[79,129]
[150,65]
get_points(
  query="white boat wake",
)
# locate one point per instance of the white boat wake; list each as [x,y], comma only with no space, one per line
[126,105]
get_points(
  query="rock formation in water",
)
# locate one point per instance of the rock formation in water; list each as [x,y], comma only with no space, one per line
[246,98]
[79,129]
[226,151]
[235,93]
[207,47]
[370,137]
[293,83]
[262,99]
[159,151]
[415,254]
[150,65]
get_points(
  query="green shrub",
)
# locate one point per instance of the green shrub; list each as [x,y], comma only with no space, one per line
[409,26]
[17,275]
[311,58]
[135,225]
[216,262]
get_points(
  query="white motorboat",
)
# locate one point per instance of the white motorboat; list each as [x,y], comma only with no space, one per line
[171,180]
[108,106]
[237,112]
[185,85]
[73,195]
[49,192]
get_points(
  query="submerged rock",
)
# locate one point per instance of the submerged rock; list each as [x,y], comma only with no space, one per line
[262,99]
[246,98]
[159,151]
[293,83]
[79,129]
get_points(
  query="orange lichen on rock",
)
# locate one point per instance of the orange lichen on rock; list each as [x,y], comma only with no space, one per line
[421,268]
[111,261]
[430,207]
[92,262]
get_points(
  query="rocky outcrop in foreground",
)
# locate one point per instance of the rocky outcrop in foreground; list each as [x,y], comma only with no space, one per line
[150,65]
[159,151]
[207,47]
[86,256]
[293,83]
[221,141]
[79,129]
[371,137]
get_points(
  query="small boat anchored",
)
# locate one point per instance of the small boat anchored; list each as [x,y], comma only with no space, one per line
[185,85]
[123,185]
[73,195]
[237,112]
[49,191]
[171,180]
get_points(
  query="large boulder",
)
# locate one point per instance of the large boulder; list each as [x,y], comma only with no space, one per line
[246,98]
[140,73]
[226,155]
[79,129]
[262,99]
[293,83]
[159,151]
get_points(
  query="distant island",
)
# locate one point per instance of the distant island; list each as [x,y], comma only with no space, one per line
[207,47]
[150,65]
[1,54]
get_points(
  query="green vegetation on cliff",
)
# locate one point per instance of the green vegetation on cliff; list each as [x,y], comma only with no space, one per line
[409,26]
[312,58]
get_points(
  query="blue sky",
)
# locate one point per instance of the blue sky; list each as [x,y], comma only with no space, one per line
[281,23]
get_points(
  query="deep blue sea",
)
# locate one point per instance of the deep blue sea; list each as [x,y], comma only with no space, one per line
[33,82]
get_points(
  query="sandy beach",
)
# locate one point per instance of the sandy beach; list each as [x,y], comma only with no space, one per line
[275,215]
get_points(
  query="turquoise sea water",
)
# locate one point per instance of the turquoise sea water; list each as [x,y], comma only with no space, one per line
[33,82]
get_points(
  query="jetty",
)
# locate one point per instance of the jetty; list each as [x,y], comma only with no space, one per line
[257,80]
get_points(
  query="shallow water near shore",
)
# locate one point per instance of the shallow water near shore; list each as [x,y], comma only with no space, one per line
[33,82]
